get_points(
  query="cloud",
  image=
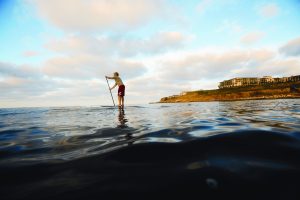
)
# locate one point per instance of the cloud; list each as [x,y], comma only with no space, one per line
[120,46]
[83,66]
[160,42]
[22,71]
[52,92]
[129,68]
[165,40]
[269,10]
[30,53]
[252,38]
[216,5]
[204,68]
[230,26]
[203,5]
[142,88]
[84,57]
[74,44]
[273,67]
[211,63]
[89,15]
[6,68]
[286,67]
[20,88]
[76,89]
[80,78]
[71,67]
[292,48]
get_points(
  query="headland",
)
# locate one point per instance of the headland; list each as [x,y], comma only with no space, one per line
[243,89]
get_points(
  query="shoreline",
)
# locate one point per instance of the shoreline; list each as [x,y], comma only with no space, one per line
[278,91]
[225,100]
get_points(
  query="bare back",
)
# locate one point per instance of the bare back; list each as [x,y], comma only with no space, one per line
[118,80]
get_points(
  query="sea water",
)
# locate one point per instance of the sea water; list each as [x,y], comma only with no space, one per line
[242,149]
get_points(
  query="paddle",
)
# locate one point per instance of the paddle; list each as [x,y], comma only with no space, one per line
[110,92]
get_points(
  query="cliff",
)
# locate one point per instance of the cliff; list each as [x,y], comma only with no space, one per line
[271,91]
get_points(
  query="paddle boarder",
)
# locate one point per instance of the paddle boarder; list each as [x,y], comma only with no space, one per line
[121,89]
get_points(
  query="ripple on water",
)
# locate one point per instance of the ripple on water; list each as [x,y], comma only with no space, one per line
[71,130]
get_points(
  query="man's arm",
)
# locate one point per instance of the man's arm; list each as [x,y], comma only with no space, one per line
[113,86]
[109,77]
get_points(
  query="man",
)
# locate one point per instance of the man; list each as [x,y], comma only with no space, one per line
[121,89]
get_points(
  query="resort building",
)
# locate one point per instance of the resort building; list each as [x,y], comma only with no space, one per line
[250,81]
[266,79]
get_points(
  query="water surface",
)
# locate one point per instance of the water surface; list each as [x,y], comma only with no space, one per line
[214,148]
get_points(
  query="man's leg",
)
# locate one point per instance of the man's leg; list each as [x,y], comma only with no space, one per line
[119,100]
[122,101]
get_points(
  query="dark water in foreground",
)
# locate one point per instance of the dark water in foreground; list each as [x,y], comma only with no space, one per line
[242,150]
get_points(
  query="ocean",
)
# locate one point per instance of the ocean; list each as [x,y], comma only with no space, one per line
[203,150]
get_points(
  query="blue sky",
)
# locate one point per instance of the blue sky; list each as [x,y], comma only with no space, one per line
[56,53]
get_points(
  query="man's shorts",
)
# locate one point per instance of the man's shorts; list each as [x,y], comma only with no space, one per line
[121,91]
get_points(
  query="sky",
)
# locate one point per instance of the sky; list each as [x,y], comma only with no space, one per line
[57,53]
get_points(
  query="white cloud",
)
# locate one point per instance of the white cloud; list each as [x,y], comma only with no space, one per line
[252,37]
[151,88]
[214,63]
[274,67]
[30,53]
[199,69]
[19,88]
[27,86]
[163,41]
[72,44]
[292,48]
[230,26]
[269,10]
[22,71]
[89,15]
[121,46]
[84,57]
[81,77]
[83,66]
[285,67]
[203,5]
[216,5]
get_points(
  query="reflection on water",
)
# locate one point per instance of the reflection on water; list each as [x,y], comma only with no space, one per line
[122,119]
[122,125]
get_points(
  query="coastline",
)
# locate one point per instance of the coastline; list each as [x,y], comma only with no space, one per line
[279,91]
[229,100]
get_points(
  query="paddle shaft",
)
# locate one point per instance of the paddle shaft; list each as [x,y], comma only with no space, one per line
[110,92]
